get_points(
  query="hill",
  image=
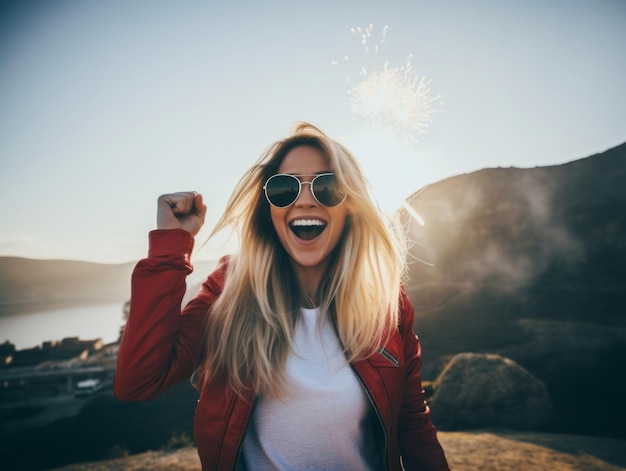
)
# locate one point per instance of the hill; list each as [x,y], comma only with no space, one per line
[27,284]
[530,264]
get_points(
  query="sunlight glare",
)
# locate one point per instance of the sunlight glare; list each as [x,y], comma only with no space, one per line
[390,166]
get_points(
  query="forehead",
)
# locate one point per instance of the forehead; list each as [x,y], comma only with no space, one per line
[305,160]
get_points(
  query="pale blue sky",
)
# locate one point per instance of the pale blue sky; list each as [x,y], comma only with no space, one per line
[104,105]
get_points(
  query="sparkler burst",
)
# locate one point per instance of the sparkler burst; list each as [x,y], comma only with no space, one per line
[399,102]
[395,99]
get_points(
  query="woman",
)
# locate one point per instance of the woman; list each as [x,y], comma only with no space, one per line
[302,345]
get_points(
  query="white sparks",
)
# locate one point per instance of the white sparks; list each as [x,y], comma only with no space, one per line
[395,99]
[398,102]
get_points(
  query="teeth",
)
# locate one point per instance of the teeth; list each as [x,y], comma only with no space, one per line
[308,222]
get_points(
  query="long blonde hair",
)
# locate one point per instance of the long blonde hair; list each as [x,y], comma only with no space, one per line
[250,326]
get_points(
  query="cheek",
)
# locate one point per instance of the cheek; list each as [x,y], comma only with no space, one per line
[277,217]
[341,225]
[342,214]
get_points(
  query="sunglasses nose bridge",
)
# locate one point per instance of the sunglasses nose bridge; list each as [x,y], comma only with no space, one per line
[309,193]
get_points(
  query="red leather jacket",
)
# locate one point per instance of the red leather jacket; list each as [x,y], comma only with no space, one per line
[160,346]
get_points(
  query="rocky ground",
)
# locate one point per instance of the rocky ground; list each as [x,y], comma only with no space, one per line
[487,450]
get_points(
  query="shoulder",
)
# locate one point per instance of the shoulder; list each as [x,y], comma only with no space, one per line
[405,307]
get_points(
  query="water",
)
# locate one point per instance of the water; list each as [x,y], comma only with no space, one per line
[27,330]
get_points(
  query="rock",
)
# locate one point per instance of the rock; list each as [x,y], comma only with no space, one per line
[486,390]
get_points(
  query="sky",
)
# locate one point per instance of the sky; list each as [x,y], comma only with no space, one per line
[105,105]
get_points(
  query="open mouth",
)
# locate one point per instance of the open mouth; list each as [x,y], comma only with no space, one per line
[307,229]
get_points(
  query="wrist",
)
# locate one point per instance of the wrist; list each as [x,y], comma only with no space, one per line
[168,242]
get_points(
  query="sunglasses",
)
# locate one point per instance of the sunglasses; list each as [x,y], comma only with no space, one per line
[282,190]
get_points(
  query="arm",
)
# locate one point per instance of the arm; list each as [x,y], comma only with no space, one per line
[159,346]
[419,445]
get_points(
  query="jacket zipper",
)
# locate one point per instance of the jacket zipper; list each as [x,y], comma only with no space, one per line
[388,356]
[237,459]
[380,419]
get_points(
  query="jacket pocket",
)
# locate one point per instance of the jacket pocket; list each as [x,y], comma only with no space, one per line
[384,357]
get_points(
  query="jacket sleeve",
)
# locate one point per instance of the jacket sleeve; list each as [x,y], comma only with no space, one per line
[419,445]
[160,344]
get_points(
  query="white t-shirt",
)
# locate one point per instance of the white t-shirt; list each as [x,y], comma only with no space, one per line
[321,425]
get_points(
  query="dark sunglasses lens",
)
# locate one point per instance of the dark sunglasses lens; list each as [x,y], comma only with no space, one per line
[282,190]
[326,190]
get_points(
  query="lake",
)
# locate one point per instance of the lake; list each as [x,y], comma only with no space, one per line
[26,330]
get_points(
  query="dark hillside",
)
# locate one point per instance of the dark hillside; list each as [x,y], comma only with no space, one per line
[531,264]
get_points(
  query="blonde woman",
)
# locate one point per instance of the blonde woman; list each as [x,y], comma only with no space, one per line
[302,344]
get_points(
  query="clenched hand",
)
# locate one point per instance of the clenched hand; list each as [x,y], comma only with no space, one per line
[183,210]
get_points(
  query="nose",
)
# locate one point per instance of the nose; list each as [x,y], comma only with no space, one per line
[305,198]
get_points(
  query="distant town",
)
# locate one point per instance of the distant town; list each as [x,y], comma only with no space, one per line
[67,367]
